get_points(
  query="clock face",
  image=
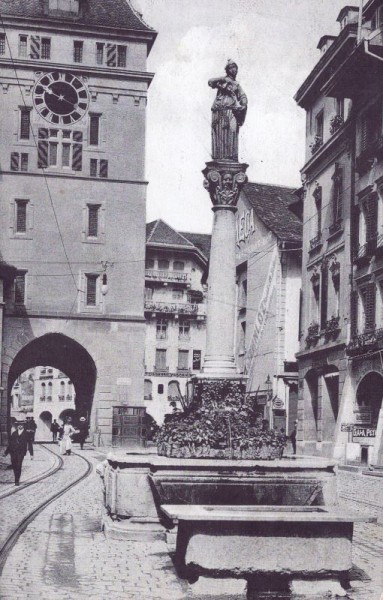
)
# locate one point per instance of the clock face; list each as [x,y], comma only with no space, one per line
[60,98]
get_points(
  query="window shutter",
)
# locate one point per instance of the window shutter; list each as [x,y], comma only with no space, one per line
[42,148]
[93,167]
[370,305]
[323,298]
[14,161]
[93,220]
[103,168]
[372,218]
[91,290]
[111,55]
[35,46]
[25,116]
[21,216]
[20,288]
[354,312]
[363,133]
[24,162]
[94,130]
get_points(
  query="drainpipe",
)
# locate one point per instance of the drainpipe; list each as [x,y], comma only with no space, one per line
[359,35]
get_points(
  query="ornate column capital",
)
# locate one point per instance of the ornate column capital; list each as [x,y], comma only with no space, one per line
[224,181]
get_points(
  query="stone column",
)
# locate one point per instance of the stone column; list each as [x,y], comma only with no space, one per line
[224,180]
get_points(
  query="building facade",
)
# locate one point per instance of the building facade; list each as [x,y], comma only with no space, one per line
[73,84]
[340,368]
[268,251]
[175,312]
[46,394]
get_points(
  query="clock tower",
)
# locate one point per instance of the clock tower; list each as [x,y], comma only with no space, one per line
[73,87]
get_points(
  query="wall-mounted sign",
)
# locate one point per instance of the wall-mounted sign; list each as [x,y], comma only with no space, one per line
[278,404]
[346,426]
[363,417]
[363,432]
[196,360]
[244,225]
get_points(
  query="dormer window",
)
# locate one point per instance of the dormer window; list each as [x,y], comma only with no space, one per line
[69,6]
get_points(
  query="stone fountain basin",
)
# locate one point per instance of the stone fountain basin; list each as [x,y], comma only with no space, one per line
[237,540]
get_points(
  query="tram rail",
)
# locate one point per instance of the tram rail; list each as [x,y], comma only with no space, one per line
[12,538]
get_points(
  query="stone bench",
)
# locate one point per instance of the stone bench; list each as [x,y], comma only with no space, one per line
[313,541]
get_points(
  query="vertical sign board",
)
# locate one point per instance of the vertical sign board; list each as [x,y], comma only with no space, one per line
[196,360]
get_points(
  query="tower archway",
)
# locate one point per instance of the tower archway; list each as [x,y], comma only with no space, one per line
[67,355]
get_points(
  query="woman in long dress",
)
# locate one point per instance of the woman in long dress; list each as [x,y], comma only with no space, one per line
[66,440]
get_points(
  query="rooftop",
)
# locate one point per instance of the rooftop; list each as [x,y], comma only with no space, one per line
[102,13]
[159,233]
[271,205]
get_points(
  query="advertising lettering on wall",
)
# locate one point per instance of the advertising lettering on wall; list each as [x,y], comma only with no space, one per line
[363,432]
[244,226]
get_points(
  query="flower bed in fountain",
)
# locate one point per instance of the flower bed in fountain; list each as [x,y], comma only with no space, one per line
[219,423]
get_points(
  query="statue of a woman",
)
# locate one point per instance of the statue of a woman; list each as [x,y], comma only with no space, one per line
[229,112]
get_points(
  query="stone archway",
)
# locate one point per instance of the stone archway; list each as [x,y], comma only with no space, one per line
[63,353]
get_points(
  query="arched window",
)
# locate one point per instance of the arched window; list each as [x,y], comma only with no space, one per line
[173,390]
[62,391]
[43,391]
[49,396]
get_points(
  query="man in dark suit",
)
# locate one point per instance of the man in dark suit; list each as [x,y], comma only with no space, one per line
[17,449]
[30,430]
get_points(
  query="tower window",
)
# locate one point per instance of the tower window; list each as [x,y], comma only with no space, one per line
[19,162]
[25,122]
[91,289]
[93,212]
[121,56]
[78,48]
[21,216]
[23,43]
[94,130]
[100,53]
[2,43]
[98,168]
[20,288]
[46,48]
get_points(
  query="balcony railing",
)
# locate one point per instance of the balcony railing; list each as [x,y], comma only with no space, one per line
[366,251]
[182,308]
[315,242]
[183,370]
[158,369]
[161,335]
[317,143]
[165,276]
[313,334]
[362,343]
[335,227]
[185,335]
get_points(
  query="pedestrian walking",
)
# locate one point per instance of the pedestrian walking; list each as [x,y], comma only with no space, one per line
[55,428]
[30,430]
[66,440]
[83,431]
[17,449]
[293,437]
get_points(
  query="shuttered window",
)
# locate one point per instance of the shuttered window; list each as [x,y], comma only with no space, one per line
[42,148]
[21,216]
[15,161]
[91,289]
[160,358]
[93,212]
[24,162]
[183,359]
[337,194]
[111,55]
[20,288]
[354,312]
[324,298]
[2,43]
[368,295]
[371,213]
[93,167]
[23,46]
[94,130]
[25,122]
[35,47]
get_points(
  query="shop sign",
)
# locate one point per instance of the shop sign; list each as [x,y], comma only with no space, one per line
[363,417]
[346,426]
[363,432]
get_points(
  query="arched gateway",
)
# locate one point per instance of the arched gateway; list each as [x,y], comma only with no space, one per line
[60,352]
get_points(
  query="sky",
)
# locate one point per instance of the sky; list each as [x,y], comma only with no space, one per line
[274,44]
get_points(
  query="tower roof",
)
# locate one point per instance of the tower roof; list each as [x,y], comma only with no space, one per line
[101,13]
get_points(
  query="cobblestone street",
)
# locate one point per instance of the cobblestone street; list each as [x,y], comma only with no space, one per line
[63,553]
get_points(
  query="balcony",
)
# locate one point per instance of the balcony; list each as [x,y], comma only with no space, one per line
[364,160]
[315,242]
[363,343]
[176,308]
[168,276]
[184,370]
[332,328]
[365,252]
[158,369]
[317,143]
[313,335]
[336,227]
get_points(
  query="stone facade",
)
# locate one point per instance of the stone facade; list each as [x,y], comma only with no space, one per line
[341,383]
[74,199]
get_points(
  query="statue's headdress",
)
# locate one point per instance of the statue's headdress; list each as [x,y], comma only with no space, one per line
[229,64]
